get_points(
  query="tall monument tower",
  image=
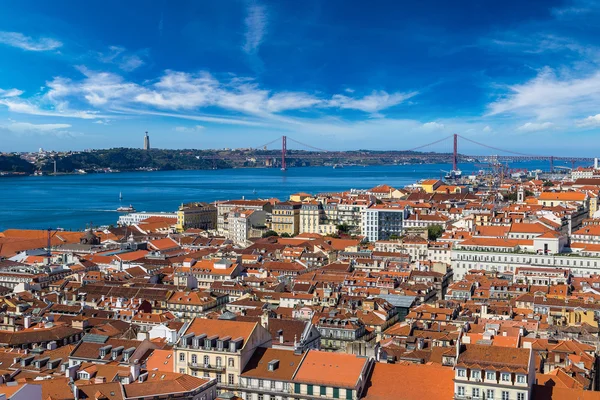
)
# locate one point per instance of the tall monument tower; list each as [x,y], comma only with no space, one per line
[146,141]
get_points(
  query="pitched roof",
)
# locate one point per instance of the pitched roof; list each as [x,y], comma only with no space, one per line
[419,381]
[332,369]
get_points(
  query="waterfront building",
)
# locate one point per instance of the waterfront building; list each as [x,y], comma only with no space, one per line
[137,217]
[196,216]
[318,217]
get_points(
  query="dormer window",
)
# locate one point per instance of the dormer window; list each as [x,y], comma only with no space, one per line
[520,378]
[475,374]
[490,375]
[461,373]
[505,377]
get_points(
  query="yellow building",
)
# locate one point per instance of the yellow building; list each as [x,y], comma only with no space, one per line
[196,215]
[220,349]
[430,185]
[297,197]
[286,218]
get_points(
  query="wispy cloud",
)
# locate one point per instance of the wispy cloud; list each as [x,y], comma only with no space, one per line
[549,96]
[535,126]
[21,41]
[372,103]
[122,58]
[10,92]
[196,128]
[28,128]
[256,27]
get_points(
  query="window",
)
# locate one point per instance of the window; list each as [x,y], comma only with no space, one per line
[475,374]
[219,378]
[194,359]
[521,378]
[490,375]
[505,395]
[520,396]
[461,372]
[206,360]
[231,362]
[323,390]
[218,361]
[181,356]
[182,370]
[475,392]
[490,394]
[461,391]
[505,377]
[309,389]
[230,379]
[260,397]
[348,394]
[261,383]
[336,393]
[296,388]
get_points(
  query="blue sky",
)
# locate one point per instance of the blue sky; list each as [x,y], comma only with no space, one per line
[337,74]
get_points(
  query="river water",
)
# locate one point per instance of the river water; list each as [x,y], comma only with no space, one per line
[74,201]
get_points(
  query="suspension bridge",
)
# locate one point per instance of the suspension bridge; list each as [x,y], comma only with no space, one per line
[266,152]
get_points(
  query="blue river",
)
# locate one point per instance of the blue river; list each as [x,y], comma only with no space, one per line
[75,201]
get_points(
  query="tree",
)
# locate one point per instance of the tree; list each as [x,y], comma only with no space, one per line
[285,235]
[343,228]
[434,232]
[548,184]
[269,234]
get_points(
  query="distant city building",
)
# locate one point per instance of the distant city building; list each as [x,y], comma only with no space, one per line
[196,215]
[137,217]
[146,142]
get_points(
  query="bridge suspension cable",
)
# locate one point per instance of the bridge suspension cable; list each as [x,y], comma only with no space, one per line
[268,144]
[307,145]
[429,144]
[499,149]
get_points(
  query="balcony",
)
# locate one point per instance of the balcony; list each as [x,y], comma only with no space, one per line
[206,367]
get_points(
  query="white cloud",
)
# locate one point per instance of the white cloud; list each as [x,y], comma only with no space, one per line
[373,103]
[433,126]
[548,96]
[591,121]
[196,128]
[487,129]
[21,41]
[10,92]
[118,55]
[535,126]
[21,127]
[185,95]
[256,27]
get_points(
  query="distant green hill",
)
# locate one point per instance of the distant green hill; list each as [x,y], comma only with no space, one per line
[15,164]
[134,159]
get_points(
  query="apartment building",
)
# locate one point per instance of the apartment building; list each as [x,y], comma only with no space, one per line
[318,217]
[506,255]
[224,208]
[245,224]
[282,374]
[382,221]
[219,349]
[493,372]
[197,216]
[285,218]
